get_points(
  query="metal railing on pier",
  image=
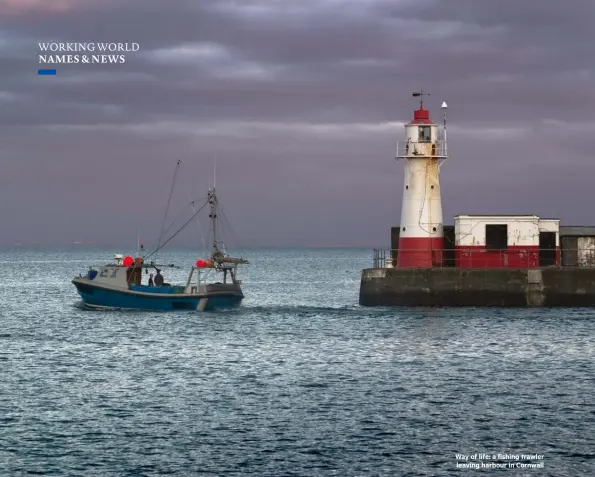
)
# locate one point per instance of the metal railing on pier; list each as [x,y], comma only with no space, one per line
[513,257]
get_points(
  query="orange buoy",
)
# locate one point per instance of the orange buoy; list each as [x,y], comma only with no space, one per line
[128,261]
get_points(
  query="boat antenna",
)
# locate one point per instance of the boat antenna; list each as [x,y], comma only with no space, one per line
[215,172]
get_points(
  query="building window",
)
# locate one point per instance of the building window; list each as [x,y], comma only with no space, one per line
[496,236]
[425,134]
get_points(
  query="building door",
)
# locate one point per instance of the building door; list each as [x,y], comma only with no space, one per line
[547,249]
[569,250]
[449,246]
[395,233]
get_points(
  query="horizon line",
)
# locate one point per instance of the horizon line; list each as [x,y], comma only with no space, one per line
[178,247]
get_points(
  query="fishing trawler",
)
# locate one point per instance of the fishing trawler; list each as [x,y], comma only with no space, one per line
[212,283]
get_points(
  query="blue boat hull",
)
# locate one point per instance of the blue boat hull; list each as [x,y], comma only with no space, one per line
[98,297]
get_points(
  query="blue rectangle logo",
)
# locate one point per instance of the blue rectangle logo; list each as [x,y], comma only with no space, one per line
[45,72]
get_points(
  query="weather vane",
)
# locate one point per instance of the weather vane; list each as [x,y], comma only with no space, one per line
[421,95]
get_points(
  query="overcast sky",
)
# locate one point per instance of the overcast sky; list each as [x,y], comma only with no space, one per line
[302,103]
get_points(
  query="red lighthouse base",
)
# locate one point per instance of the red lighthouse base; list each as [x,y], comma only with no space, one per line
[422,252]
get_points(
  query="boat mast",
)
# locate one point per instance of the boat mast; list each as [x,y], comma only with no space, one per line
[220,258]
[213,216]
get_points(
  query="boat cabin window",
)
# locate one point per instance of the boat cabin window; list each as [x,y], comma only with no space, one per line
[425,134]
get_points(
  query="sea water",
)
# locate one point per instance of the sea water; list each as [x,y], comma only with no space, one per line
[298,381]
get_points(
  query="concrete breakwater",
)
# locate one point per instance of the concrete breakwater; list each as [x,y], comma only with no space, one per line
[500,287]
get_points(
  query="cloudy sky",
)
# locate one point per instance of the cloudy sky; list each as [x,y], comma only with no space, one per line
[302,103]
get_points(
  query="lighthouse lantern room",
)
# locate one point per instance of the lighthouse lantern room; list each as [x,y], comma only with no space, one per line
[421,235]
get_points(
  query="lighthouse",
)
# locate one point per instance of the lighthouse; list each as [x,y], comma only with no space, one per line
[421,235]
[481,260]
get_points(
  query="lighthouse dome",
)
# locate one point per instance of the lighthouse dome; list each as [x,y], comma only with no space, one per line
[421,116]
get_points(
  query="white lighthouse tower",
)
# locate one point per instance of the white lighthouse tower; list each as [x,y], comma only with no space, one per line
[421,236]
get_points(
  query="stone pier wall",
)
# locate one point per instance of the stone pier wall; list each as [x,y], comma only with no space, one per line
[549,287]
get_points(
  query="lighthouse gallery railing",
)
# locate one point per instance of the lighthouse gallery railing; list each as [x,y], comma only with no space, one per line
[437,149]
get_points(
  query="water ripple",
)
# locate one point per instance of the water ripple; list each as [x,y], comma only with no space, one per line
[299,381]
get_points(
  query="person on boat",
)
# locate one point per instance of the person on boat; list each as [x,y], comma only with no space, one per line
[158,279]
[151,282]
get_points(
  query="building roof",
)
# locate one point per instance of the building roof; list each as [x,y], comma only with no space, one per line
[495,216]
[577,231]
